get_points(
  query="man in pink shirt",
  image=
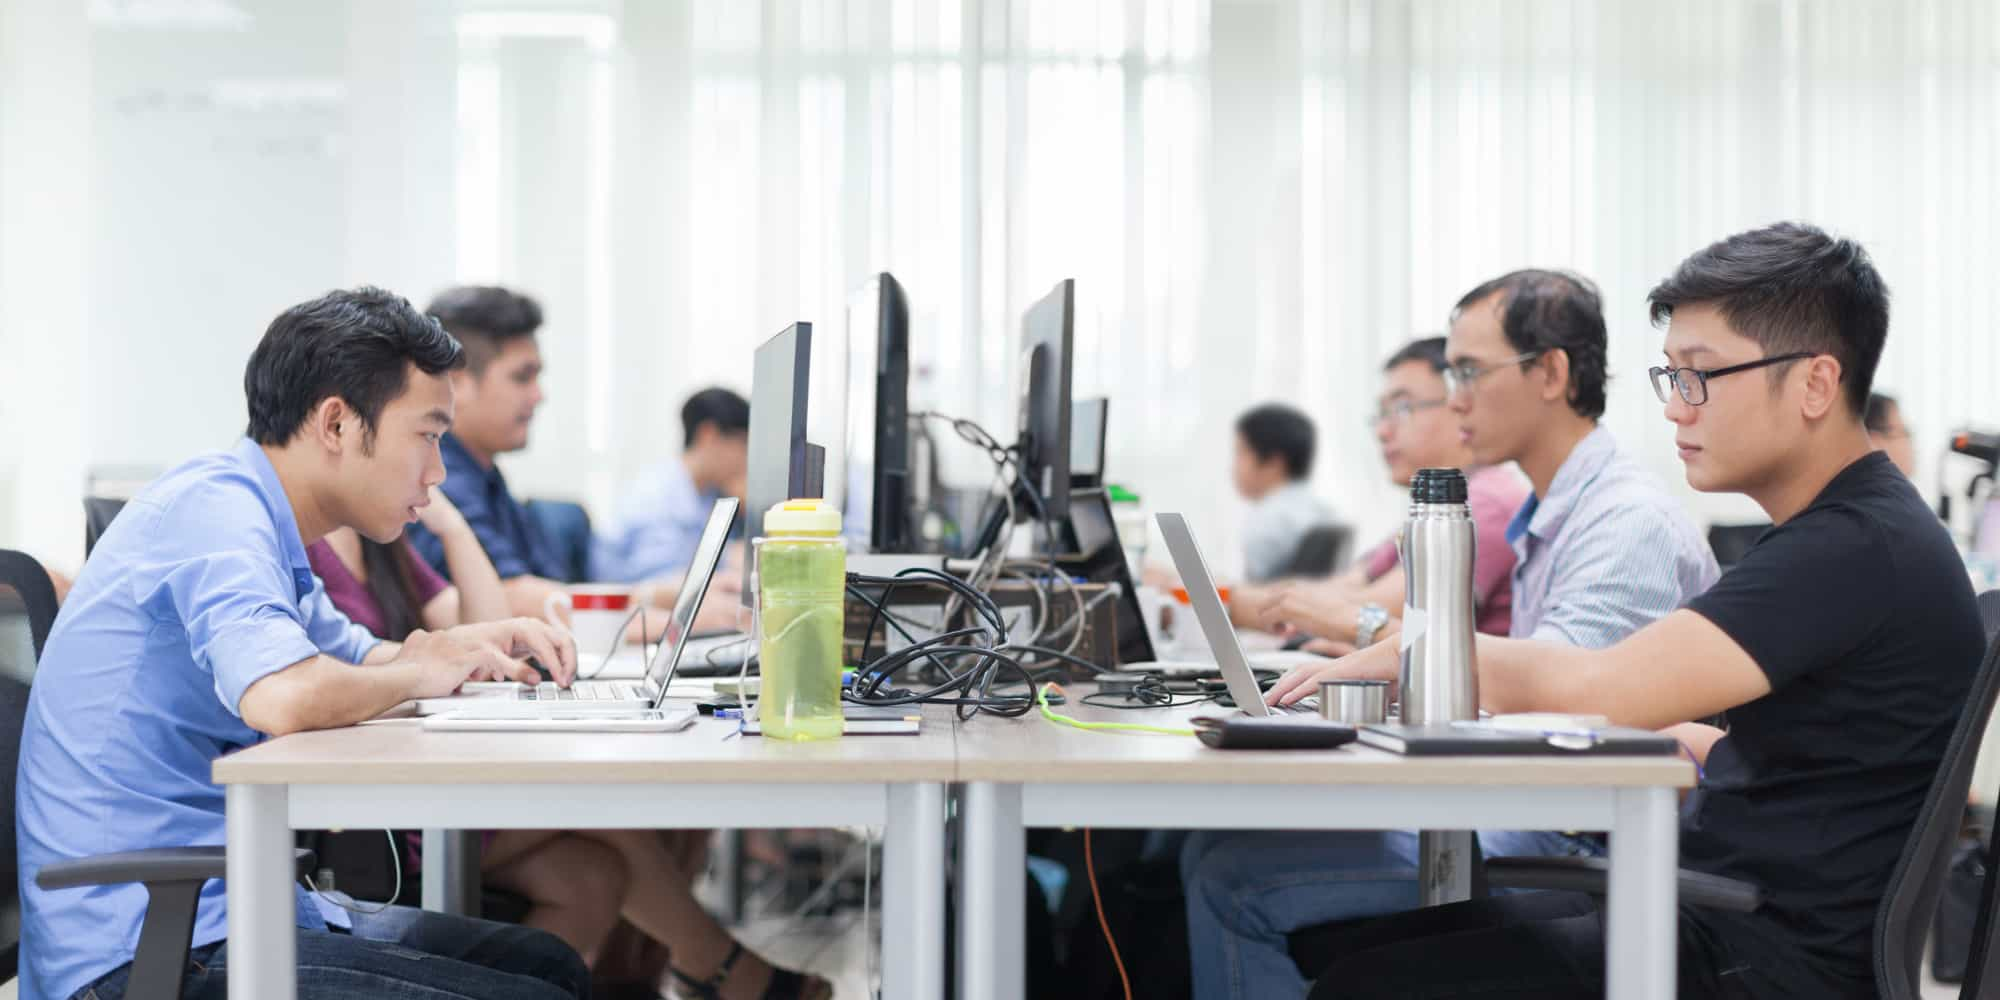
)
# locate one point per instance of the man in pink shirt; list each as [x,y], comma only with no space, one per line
[1416,431]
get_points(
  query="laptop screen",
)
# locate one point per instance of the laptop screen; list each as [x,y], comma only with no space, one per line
[693,587]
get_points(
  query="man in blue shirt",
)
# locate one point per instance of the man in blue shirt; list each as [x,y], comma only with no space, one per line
[660,518]
[197,628]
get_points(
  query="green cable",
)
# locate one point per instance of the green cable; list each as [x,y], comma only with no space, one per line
[1042,699]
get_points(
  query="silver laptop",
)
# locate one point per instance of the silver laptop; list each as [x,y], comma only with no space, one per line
[497,701]
[1214,620]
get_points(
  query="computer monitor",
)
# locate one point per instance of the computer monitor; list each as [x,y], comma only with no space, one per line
[778,467]
[1087,423]
[878,415]
[1047,333]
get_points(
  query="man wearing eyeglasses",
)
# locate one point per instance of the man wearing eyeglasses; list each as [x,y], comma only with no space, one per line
[1842,648]
[1415,431]
[1601,550]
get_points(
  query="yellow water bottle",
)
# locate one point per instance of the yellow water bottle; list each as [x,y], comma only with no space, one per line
[802,582]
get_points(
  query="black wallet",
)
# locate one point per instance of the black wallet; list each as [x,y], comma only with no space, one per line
[1274,732]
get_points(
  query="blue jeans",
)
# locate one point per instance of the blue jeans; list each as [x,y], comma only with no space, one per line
[402,954]
[1248,890]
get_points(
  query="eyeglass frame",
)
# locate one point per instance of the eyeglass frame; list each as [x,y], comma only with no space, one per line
[1402,410]
[1703,375]
[1458,380]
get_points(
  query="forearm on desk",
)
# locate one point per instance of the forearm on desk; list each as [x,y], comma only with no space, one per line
[324,693]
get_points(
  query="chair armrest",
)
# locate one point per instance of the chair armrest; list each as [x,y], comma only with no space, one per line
[1591,875]
[159,864]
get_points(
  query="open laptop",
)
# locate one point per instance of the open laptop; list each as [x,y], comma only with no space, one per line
[598,696]
[1214,620]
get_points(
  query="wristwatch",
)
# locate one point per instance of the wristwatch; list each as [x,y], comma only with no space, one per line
[1368,624]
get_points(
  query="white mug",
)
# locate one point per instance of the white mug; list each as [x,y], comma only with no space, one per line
[596,614]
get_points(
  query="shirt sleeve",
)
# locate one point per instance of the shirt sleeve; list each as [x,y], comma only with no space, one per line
[236,605]
[1621,573]
[332,631]
[1380,560]
[1792,603]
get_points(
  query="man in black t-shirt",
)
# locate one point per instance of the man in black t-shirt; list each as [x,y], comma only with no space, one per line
[1841,649]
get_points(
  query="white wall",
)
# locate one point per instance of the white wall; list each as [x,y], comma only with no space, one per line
[1259,198]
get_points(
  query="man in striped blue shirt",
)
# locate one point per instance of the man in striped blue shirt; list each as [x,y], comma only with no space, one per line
[1602,551]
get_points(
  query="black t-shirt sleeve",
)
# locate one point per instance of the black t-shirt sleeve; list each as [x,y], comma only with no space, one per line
[1805,594]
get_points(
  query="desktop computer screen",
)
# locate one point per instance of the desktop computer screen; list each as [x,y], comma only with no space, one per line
[1048,333]
[1087,423]
[778,466]
[877,477]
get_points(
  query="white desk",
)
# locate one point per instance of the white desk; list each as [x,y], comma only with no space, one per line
[1021,773]
[400,776]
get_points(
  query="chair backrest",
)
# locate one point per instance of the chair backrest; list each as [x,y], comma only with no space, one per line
[1903,921]
[1321,551]
[567,526]
[1730,541]
[98,513]
[27,610]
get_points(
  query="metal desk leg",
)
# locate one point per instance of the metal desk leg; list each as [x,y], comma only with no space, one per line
[263,914]
[1641,922]
[1444,866]
[992,885]
[913,893]
[451,872]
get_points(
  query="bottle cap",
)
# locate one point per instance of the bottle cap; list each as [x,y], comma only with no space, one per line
[803,517]
[1438,486]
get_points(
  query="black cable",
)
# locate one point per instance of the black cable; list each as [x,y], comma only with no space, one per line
[1152,691]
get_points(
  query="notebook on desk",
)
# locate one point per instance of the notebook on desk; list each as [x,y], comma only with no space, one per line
[1446,739]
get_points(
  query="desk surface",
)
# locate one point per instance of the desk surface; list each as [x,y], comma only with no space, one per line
[705,753]
[1028,750]
[1032,750]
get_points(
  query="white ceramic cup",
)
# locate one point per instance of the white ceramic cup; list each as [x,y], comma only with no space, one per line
[596,614]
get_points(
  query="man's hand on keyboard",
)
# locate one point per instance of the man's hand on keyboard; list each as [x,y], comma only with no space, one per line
[488,651]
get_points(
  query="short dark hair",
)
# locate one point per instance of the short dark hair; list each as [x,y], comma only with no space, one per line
[1428,350]
[357,345]
[486,318]
[729,412]
[1276,429]
[1876,416]
[1554,311]
[1790,287]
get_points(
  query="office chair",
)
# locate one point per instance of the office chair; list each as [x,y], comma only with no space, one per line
[1730,541]
[172,875]
[1322,551]
[98,513]
[567,525]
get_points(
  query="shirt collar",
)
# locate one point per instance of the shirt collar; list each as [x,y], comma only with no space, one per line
[458,462]
[1545,516]
[272,492]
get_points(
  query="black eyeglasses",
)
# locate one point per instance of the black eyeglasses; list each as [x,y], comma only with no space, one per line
[1692,383]
[1460,377]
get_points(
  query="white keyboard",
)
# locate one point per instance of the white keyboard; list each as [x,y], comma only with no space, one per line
[584,691]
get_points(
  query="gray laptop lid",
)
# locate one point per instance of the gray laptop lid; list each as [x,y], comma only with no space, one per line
[1213,617]
[694,586]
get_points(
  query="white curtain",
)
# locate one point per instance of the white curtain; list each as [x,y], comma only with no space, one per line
[1259,199]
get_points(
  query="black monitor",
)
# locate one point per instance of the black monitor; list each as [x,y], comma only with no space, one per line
[878,415]
[1100,558]
[1087,423]
[1047,334]
[778,466]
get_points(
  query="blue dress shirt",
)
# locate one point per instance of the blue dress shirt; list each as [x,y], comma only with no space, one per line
[657,526]
[199,589]
[500,522]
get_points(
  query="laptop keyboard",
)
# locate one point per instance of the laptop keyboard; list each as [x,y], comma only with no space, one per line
[586,691]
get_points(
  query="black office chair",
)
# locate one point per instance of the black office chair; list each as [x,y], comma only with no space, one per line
[1904,917]
[1322,551]
[567,525]
[1730,541]
[98,513]
[173,875]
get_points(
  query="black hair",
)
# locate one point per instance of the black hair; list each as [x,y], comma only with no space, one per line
[1790,287]
[1554,311]
[1276,429]
[486,318]
[392,582]
[729,412]
[1429,350]
[357,345]
[1876,416]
